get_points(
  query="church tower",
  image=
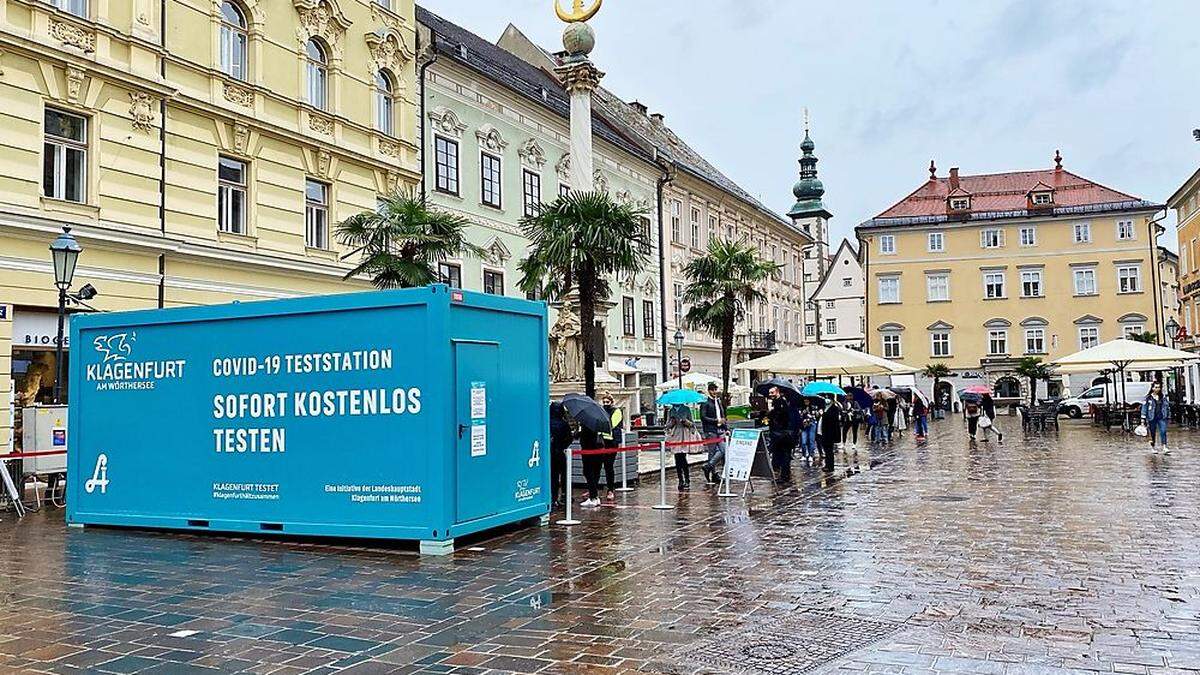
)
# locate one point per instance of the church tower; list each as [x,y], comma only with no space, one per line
[809,214]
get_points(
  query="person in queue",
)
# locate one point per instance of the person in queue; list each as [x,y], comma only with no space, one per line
[829,431]
[806,431]
[781,434]
[681,429]
[560,439]
[591,440]
[1156,410]
[613,440]
[712,423]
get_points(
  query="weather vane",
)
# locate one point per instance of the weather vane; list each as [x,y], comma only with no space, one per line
[578,13]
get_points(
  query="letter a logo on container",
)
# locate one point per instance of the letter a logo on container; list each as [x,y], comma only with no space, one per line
[99,477]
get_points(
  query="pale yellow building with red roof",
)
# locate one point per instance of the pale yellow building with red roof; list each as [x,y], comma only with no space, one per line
[979,271]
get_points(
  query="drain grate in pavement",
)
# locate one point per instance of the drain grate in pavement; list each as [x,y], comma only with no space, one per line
[945,498]
[794,643]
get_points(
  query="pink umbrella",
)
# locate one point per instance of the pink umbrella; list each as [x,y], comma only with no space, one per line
[977,389]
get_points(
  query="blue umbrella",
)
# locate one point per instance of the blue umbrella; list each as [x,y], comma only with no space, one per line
[818,388]
[684,396]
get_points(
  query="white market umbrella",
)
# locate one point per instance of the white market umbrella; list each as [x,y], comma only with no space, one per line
[700,382]
[1125,354]
[816,360]
[893,367]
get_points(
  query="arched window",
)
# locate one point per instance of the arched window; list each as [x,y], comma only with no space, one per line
[385,106]
[318,73]
[233,41]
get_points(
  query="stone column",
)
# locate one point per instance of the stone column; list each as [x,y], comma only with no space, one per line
[580,77]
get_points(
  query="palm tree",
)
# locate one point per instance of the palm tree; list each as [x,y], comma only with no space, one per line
[1145,336]
[576,243]
[936,371]
[1032,367]
[721,283]
[400,244]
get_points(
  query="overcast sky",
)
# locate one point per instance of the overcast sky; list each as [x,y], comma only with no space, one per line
[991,85]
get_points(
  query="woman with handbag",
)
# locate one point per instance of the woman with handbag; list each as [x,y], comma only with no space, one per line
[988,421]
[1156,410]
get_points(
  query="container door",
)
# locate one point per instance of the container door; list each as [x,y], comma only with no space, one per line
[477,456]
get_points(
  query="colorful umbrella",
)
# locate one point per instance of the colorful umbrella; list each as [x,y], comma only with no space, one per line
[681,396]
[978,389]
[819,388]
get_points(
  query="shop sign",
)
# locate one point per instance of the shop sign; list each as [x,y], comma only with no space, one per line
[39,329]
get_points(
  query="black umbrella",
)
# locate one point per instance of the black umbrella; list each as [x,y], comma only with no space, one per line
[789,390]
[588,413]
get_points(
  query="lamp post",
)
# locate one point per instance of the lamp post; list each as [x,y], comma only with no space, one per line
[1173,331]
[64,252]
[679,354]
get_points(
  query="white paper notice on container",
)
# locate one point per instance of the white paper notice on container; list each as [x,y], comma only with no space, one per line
[478,439]
[478,400]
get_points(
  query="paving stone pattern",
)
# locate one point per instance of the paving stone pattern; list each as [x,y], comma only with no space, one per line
[1048,554]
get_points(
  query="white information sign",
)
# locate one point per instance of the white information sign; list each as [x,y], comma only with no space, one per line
[739,453]
[478,439]
[478,400]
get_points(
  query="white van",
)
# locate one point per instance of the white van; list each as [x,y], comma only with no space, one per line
[1078,406]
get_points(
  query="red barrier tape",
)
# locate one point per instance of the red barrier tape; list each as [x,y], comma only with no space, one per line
[19,455]
[646,446]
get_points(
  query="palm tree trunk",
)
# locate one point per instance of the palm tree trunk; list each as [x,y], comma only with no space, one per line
[1032,392]
[587,322]
[936,403]
[727,351]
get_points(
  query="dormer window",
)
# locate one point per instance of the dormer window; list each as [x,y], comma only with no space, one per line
[960,203]
[1043,198]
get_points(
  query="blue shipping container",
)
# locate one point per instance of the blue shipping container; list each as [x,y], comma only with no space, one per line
[411,414]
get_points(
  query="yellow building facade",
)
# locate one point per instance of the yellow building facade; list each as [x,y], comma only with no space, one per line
[1186,204]
[977,272]
[200,150]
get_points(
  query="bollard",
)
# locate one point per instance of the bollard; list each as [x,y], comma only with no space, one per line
[624,474]
[662,478]
[568,520]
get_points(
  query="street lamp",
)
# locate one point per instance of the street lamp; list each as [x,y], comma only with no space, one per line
[64,252]
[679,354]
[1173,331]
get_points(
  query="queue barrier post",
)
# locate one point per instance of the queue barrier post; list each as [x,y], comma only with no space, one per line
[624,474]
[568,520]
[662,504]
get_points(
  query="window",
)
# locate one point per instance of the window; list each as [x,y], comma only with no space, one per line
[889,290]
[385,104]
[991,238]
[846,281]
[993,285]
[450,274]
[386,4]
[729,232]
[831,326]
[628,317]
[997,342]
[1125,230]
[64,164]
[1131,329]
[489,180]
[318,75]
[493,282]
[810,329]
[937,287]
[316,214]
[676,227]
[233,41]
[939,343]
[445,157]
[1042,198]
[887,244]
[1129,279]
[1089,336]
[76,7]
[646,241]
[937,242]
[531,192]
[960,203]
[1031,283]
[829,304]
[1083,233]
[695,227]
[647,319]
[231,196]
[1035,340]
[564,190]
[1085,281]
[1029,236]
[712,227]
[678,305]
[891,346]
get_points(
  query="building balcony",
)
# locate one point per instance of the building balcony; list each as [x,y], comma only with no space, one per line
[756,341]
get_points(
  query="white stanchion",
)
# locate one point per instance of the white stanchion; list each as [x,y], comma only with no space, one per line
[624,474]
[568,520]
[662,478]
[724,487]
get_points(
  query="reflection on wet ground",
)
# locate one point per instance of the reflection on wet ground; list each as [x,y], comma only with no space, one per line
[1045,554]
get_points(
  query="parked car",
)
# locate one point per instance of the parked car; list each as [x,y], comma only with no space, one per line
[1078,406]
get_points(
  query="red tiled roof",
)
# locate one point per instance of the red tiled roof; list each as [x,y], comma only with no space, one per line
[1005,192]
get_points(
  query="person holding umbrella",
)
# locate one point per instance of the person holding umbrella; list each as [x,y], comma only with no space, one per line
[829,431]
[781,435]
[920,411]
[560,439]
[989,411]
[593,421]
[681,429]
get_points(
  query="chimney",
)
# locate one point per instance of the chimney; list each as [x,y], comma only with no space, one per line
[658,118]
[639,106]
[953,178]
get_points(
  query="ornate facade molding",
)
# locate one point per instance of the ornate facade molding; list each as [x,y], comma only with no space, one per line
[323,19]
[238,94]
[323,162]
[579,76]
[388,49]
[390,149]
[447,122]
[241,138]
[141,111]
[490,138]
[599,182]
[75,77]
[563,168]
[532,154]
[320,124]
[73,36]
[497,252]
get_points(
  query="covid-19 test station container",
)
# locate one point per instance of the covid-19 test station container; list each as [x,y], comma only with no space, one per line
[411,414]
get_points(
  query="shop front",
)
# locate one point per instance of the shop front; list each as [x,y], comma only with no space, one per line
[33,367]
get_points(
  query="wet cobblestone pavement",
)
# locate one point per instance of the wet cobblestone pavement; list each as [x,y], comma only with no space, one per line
[1068,553]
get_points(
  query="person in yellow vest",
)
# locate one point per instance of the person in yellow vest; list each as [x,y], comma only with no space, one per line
[612,440]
